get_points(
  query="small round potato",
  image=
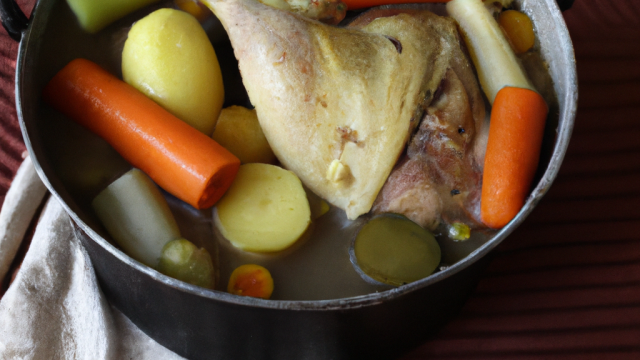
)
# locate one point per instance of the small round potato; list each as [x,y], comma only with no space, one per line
[239,131]
[265,210]
[169,58]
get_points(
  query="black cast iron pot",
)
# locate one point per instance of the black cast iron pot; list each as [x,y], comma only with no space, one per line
[204,324]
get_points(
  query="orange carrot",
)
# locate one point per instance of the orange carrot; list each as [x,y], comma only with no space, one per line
[515,136]
[179,158]
[361,4]
[251,280]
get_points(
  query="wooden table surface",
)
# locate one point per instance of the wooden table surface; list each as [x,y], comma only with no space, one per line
[566,284]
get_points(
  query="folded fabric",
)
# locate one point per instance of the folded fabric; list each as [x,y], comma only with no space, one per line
[54,309]
[20,204]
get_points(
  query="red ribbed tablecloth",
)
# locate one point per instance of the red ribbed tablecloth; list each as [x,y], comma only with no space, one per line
[566,284]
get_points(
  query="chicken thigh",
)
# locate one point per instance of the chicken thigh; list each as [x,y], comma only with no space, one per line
[337,105]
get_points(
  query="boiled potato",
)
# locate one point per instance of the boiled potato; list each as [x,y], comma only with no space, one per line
[94,15]
[169,58]
[239,131]
[317,205]
[265,210]
[137,216]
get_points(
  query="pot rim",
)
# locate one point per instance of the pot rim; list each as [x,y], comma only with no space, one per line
[564,130]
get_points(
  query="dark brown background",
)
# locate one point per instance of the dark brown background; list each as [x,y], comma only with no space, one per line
[566,285]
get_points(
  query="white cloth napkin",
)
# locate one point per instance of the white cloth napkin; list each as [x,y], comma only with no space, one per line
[54,309]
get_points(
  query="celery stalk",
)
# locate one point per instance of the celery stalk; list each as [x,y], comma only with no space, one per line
[94,15]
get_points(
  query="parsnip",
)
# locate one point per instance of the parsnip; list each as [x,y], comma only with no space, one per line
[491,53]
[137,216]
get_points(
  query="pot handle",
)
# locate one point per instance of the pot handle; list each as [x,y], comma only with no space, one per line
[565,4]
[13,19]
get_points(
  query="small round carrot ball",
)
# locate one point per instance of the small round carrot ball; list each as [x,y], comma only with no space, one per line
[518,29]
[251,280]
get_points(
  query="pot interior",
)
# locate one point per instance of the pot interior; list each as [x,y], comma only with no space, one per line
[76,164]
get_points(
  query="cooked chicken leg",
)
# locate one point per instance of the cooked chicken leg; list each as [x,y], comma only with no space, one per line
[337,105]
[440,177]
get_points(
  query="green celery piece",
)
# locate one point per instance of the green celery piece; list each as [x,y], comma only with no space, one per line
[182,260]
[94,15]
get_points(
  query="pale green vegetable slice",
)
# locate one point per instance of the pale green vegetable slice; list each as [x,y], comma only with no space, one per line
[459,231]
[94,15]
[182,260]
[169,58]
[394,250]
[137,216]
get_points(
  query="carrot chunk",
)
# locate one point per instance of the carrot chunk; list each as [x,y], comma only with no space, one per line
[519,30]
[251,280]
[515,137]
[179,158]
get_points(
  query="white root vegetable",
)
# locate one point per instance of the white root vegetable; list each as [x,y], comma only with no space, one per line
[490,51]
[137,216]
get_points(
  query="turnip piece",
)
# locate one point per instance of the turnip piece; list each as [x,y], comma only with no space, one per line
[137,216]
[265,210]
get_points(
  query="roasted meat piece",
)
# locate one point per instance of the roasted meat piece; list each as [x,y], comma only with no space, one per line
[440,177]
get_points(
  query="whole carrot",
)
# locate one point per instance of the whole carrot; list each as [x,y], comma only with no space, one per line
[513,150]
[361,4]
[518,115]
[179,158]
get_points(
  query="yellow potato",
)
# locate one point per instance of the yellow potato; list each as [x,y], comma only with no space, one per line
[169,58]
[239,131]
[317,205]
[265,210]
